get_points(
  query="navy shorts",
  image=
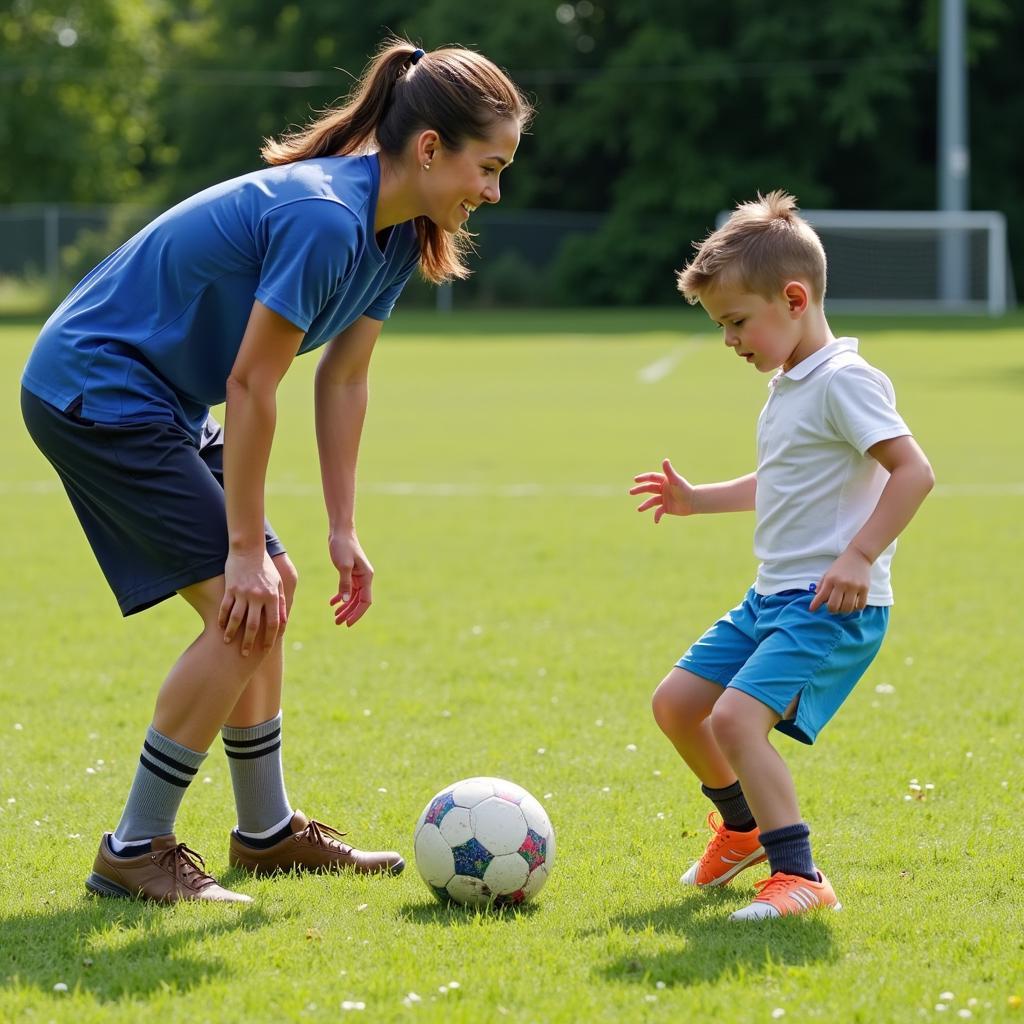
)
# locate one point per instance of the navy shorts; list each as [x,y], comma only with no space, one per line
[773,648]
[150,501]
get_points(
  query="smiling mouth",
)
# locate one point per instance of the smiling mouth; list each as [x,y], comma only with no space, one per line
[468,208]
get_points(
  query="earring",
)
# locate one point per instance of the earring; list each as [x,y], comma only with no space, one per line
[426,166]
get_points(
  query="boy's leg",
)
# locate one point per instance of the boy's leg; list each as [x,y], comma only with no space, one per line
[682,706]
[741,725]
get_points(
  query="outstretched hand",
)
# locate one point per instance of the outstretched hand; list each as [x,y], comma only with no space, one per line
[671,493]
[355,579]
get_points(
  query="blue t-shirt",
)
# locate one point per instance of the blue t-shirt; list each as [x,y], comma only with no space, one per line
[152,332]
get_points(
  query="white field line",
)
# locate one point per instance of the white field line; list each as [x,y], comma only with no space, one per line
[28,488]
[661,368]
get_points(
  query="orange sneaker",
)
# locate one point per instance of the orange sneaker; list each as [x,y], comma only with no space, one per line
[781,894]
[727,854]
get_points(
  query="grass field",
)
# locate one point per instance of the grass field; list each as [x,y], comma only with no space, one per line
[523,615]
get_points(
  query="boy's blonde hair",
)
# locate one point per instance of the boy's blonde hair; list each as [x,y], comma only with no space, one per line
[762,246]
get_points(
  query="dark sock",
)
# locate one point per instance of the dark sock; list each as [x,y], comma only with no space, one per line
[789,851]
[268,841]
[732,806]
[131,849]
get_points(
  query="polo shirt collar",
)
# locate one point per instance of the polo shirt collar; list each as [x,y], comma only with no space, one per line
[815,359]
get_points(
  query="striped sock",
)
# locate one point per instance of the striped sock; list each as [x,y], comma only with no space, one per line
[257,777]
[165,770]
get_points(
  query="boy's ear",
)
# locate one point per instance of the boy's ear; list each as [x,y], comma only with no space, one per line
[798,298]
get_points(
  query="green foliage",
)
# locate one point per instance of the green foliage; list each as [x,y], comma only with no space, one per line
[657,115]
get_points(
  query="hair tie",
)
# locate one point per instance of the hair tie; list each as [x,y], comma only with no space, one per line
[416,54]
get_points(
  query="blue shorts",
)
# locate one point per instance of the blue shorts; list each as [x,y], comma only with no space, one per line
[772,648]
[150,500]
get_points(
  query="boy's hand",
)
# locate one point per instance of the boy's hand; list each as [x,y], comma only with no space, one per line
[845,585]
[671,493]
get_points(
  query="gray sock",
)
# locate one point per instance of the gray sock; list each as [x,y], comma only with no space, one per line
[165,770]
[254,754]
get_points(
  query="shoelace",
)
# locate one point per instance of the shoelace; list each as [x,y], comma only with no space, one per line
[187,867]
[324,835]
[717,826]
[768,887]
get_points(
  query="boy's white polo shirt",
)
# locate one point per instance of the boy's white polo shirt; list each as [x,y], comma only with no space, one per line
[816,486]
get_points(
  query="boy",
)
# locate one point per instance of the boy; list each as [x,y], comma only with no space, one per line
[838,478]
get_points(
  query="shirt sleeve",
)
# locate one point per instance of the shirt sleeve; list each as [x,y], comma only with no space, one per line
[381,307]
[308,247]
[861,407]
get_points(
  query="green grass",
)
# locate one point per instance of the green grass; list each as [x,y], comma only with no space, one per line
[538,620]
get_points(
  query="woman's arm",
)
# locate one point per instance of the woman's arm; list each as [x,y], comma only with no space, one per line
[252,587]
[341,395]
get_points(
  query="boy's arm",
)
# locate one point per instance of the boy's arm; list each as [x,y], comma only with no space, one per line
[674,495]
[845,585]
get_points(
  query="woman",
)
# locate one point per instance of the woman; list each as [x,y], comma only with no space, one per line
[210,303]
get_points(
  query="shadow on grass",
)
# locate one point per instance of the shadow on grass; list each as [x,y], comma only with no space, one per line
[435,912]
[715,946]
[118,949]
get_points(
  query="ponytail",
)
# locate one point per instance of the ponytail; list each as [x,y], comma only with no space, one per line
[456,92]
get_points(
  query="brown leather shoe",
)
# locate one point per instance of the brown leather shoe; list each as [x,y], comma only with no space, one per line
[312,846]
[170,872]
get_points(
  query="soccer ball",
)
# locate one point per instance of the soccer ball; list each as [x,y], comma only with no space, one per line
[484,842]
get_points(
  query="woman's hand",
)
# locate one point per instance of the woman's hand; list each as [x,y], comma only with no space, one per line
[355,578]
[672,494]
[253,596]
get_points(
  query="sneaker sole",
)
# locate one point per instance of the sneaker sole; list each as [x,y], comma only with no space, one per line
[101,886]
[757,857]
[835,908]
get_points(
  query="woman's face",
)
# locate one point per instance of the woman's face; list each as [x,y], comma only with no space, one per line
[461,180]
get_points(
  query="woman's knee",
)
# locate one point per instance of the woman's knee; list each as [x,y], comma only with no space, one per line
[289,577]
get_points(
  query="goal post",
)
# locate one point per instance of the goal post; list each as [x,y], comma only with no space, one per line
[914,261]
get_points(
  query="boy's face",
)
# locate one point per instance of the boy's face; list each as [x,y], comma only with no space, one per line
[764,332]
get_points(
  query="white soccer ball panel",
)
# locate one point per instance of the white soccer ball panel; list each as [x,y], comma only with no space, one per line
[535,882]
[506,874]
[535,816]
[456,826]
[471,791]
[471,891]
[434,857]
[498,825]
[509,790]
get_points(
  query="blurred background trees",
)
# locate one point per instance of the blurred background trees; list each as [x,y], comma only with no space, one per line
[652,115]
